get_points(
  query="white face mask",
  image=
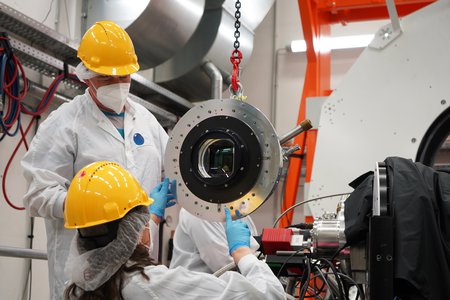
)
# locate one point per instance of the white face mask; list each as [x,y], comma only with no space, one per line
[113,96]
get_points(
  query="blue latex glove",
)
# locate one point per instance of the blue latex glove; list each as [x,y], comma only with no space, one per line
[164,195]
[238,234]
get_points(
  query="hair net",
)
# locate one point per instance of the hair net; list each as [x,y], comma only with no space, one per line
[84,73]
[89,269]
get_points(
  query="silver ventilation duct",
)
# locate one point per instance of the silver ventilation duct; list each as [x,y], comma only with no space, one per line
[158,28]
[177,38]
[212,41]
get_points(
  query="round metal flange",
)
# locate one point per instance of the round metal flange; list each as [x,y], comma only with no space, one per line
[252,172]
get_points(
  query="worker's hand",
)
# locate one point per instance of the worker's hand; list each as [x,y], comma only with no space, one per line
[164,195]
[238,234]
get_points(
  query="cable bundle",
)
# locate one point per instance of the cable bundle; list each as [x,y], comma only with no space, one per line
[10,116]
[9,88]
[49,95]
[333,283]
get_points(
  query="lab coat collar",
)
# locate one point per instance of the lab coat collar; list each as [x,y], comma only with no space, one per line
[130,118]
[129,107]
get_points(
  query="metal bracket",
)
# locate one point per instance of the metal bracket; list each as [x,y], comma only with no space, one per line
[287,152]
[380,191]
[38,60]
[389,32]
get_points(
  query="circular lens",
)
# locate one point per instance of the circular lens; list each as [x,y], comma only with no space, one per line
[216,158]
[220,159]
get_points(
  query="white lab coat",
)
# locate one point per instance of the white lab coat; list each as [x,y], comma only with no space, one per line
[200,245]
[77,134]
[256,281]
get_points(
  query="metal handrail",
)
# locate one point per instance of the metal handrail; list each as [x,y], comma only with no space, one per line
[22,253]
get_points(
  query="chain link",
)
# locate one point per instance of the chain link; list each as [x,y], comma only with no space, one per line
[237,25]
[236,57]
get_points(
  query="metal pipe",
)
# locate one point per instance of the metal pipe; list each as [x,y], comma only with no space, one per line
[227,80]
[180,104]
[273,105]
[216,80]
[289,151]
[273,102]
[392,10]
[22,253]
[38,91]
[160,113]
[57,15]
[303,126]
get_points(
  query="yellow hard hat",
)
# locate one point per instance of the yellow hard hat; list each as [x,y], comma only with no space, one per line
[107,49]
[102,192]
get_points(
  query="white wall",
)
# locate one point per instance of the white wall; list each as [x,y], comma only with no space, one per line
[14,224]
[281,25]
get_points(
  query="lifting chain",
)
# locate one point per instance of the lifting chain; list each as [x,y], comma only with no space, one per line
[236,57]
[237,25]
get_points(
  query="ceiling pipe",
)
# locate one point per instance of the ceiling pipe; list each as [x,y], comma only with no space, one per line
[216,80]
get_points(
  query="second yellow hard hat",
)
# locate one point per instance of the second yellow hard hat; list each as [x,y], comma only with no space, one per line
[100,193]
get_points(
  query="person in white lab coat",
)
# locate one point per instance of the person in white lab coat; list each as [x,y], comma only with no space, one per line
[118,270]
[101,124]
[201,245]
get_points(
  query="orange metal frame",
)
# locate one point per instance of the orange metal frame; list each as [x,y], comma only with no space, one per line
[316,17]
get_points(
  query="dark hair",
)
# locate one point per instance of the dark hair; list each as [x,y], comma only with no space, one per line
[112,289]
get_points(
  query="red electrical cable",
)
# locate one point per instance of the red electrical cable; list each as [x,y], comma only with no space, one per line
[7,90]
[16,116]
[24,77]
[23,138]
[22,93]
[53,88]
[48,96]
[40,110]
[13,78]
[8,111]
[41,107]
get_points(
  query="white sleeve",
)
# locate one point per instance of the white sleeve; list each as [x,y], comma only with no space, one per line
[158,133]
[163,139]
[48,168]
[256,270]
[180,283]
[154,240]
[210,240]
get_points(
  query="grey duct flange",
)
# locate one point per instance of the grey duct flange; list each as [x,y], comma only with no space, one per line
[216,122]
